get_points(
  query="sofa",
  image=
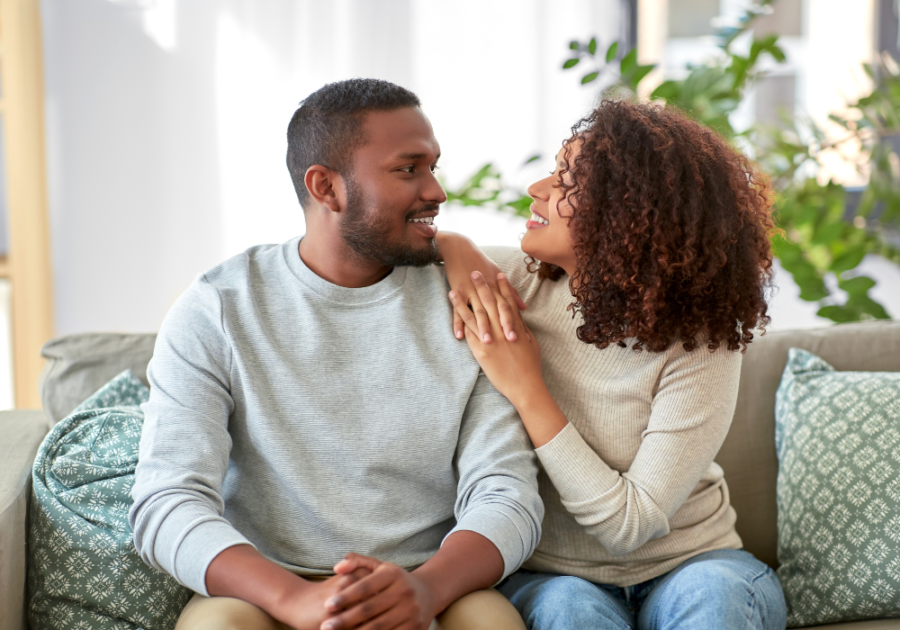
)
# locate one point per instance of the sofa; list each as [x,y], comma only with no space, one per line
[78,365]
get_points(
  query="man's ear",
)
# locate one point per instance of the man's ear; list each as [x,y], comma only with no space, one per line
[325,186]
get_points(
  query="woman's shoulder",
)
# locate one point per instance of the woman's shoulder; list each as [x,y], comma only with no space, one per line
[511,261]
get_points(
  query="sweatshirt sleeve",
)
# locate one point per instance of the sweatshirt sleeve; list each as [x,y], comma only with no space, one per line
[689,419]
[185,445]
[497,494]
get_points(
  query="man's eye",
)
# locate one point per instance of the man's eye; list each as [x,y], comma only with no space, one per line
[434,167]
[408,169]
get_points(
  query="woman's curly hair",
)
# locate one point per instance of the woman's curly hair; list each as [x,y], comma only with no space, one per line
[671,229]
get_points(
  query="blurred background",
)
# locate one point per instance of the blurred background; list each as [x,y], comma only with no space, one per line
[144,140]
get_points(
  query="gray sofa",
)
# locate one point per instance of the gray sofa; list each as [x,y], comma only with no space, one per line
[80,364]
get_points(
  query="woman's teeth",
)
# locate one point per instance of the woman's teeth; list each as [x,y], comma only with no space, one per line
[539,219]
[425,220]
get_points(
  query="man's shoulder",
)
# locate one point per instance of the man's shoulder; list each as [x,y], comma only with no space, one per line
[240,266]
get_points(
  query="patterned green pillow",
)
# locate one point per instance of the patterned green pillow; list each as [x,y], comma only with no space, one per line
[838,440]
[83,570]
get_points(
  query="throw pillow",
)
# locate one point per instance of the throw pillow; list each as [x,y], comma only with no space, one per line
[837,435]
[84,572]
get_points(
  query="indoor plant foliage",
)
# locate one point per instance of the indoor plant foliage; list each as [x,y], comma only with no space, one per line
[824,232]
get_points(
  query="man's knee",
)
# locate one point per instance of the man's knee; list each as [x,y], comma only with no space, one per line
[481,610]
[224,613]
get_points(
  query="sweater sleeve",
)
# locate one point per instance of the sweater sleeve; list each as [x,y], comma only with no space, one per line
[497,493]
[185,446]
[689,419]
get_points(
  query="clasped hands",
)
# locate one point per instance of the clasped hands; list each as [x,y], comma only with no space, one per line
[367,594]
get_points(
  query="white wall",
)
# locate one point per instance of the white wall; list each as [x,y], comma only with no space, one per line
[166,121]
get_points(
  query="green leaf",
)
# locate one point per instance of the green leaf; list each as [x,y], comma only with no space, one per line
[857,285]
[640,73]
[589,77]
[573,45]
[628,62]
[571,63]
[849,259]
[839,314]
[592,46]
[667,90]
[533,158]
[612,51]
[522,206]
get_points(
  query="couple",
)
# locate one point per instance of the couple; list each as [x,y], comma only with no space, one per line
[319,451]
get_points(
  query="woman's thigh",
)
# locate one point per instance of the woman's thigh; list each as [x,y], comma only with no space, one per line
[726,588]
[560,602]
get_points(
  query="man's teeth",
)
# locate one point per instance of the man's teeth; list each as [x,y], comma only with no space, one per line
[425,220]
[539,219]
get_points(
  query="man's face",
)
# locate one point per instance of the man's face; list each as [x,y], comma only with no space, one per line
[392,193]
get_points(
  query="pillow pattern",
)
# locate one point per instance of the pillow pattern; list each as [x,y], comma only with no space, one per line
[837,435]
[84,572]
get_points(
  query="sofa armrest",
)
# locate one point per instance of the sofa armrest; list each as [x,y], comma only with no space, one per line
[21,433]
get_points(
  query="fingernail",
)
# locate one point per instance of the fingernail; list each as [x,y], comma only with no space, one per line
[501,275]
[511,336]
[331,603]
[459,334]
[453,295]
[487,339]
[328,626]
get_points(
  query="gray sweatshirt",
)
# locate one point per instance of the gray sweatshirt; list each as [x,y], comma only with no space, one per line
[311,420]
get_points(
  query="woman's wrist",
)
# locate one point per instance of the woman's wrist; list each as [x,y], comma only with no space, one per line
[541,416]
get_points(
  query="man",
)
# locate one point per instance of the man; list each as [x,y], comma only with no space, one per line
[308,400]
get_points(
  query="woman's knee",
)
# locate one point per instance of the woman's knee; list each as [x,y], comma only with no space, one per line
[728,589]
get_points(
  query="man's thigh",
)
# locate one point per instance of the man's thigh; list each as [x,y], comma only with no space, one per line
[225,613]
[481,610]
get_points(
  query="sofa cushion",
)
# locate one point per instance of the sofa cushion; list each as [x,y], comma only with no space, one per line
[83,569]
[837,435]
[22,432]
[748,454]
[78,365]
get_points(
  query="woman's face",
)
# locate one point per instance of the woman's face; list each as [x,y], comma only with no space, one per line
[548,238]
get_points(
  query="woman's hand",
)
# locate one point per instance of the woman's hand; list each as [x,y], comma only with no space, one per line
[511,362]
[462,257]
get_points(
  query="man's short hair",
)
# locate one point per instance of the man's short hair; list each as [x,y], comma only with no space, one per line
[327,127]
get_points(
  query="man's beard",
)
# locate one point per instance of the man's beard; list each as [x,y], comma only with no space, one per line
[369,237]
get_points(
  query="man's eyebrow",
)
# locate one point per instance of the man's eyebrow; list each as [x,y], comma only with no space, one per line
[415,156]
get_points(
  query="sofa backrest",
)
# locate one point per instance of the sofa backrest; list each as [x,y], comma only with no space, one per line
[79,365]
[748,454]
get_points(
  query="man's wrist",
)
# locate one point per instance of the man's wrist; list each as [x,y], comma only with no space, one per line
[278,600]
[440,598]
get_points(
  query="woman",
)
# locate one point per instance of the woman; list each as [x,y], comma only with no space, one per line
[652,236]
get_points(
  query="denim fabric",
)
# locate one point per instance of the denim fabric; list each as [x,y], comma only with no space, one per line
[726,588]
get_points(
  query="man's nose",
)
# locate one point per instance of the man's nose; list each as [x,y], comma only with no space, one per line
[434,191]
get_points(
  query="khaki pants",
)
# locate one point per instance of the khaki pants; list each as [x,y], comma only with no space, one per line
[481,610]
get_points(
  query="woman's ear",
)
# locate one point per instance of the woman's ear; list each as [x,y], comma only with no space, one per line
[325,187]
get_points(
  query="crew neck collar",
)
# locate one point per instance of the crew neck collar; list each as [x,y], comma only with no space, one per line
[336,293]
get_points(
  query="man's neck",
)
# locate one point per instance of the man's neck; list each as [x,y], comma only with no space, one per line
[334,261]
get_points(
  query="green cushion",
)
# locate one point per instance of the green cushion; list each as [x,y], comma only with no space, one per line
[83,570]
[838,440]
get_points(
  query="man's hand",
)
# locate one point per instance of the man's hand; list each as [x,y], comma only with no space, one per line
[305,609]
[390,597]
[244,573]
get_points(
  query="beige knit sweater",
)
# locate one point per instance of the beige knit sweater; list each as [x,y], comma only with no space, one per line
[630,486]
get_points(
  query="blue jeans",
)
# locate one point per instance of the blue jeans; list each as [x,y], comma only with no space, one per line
[726,589]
